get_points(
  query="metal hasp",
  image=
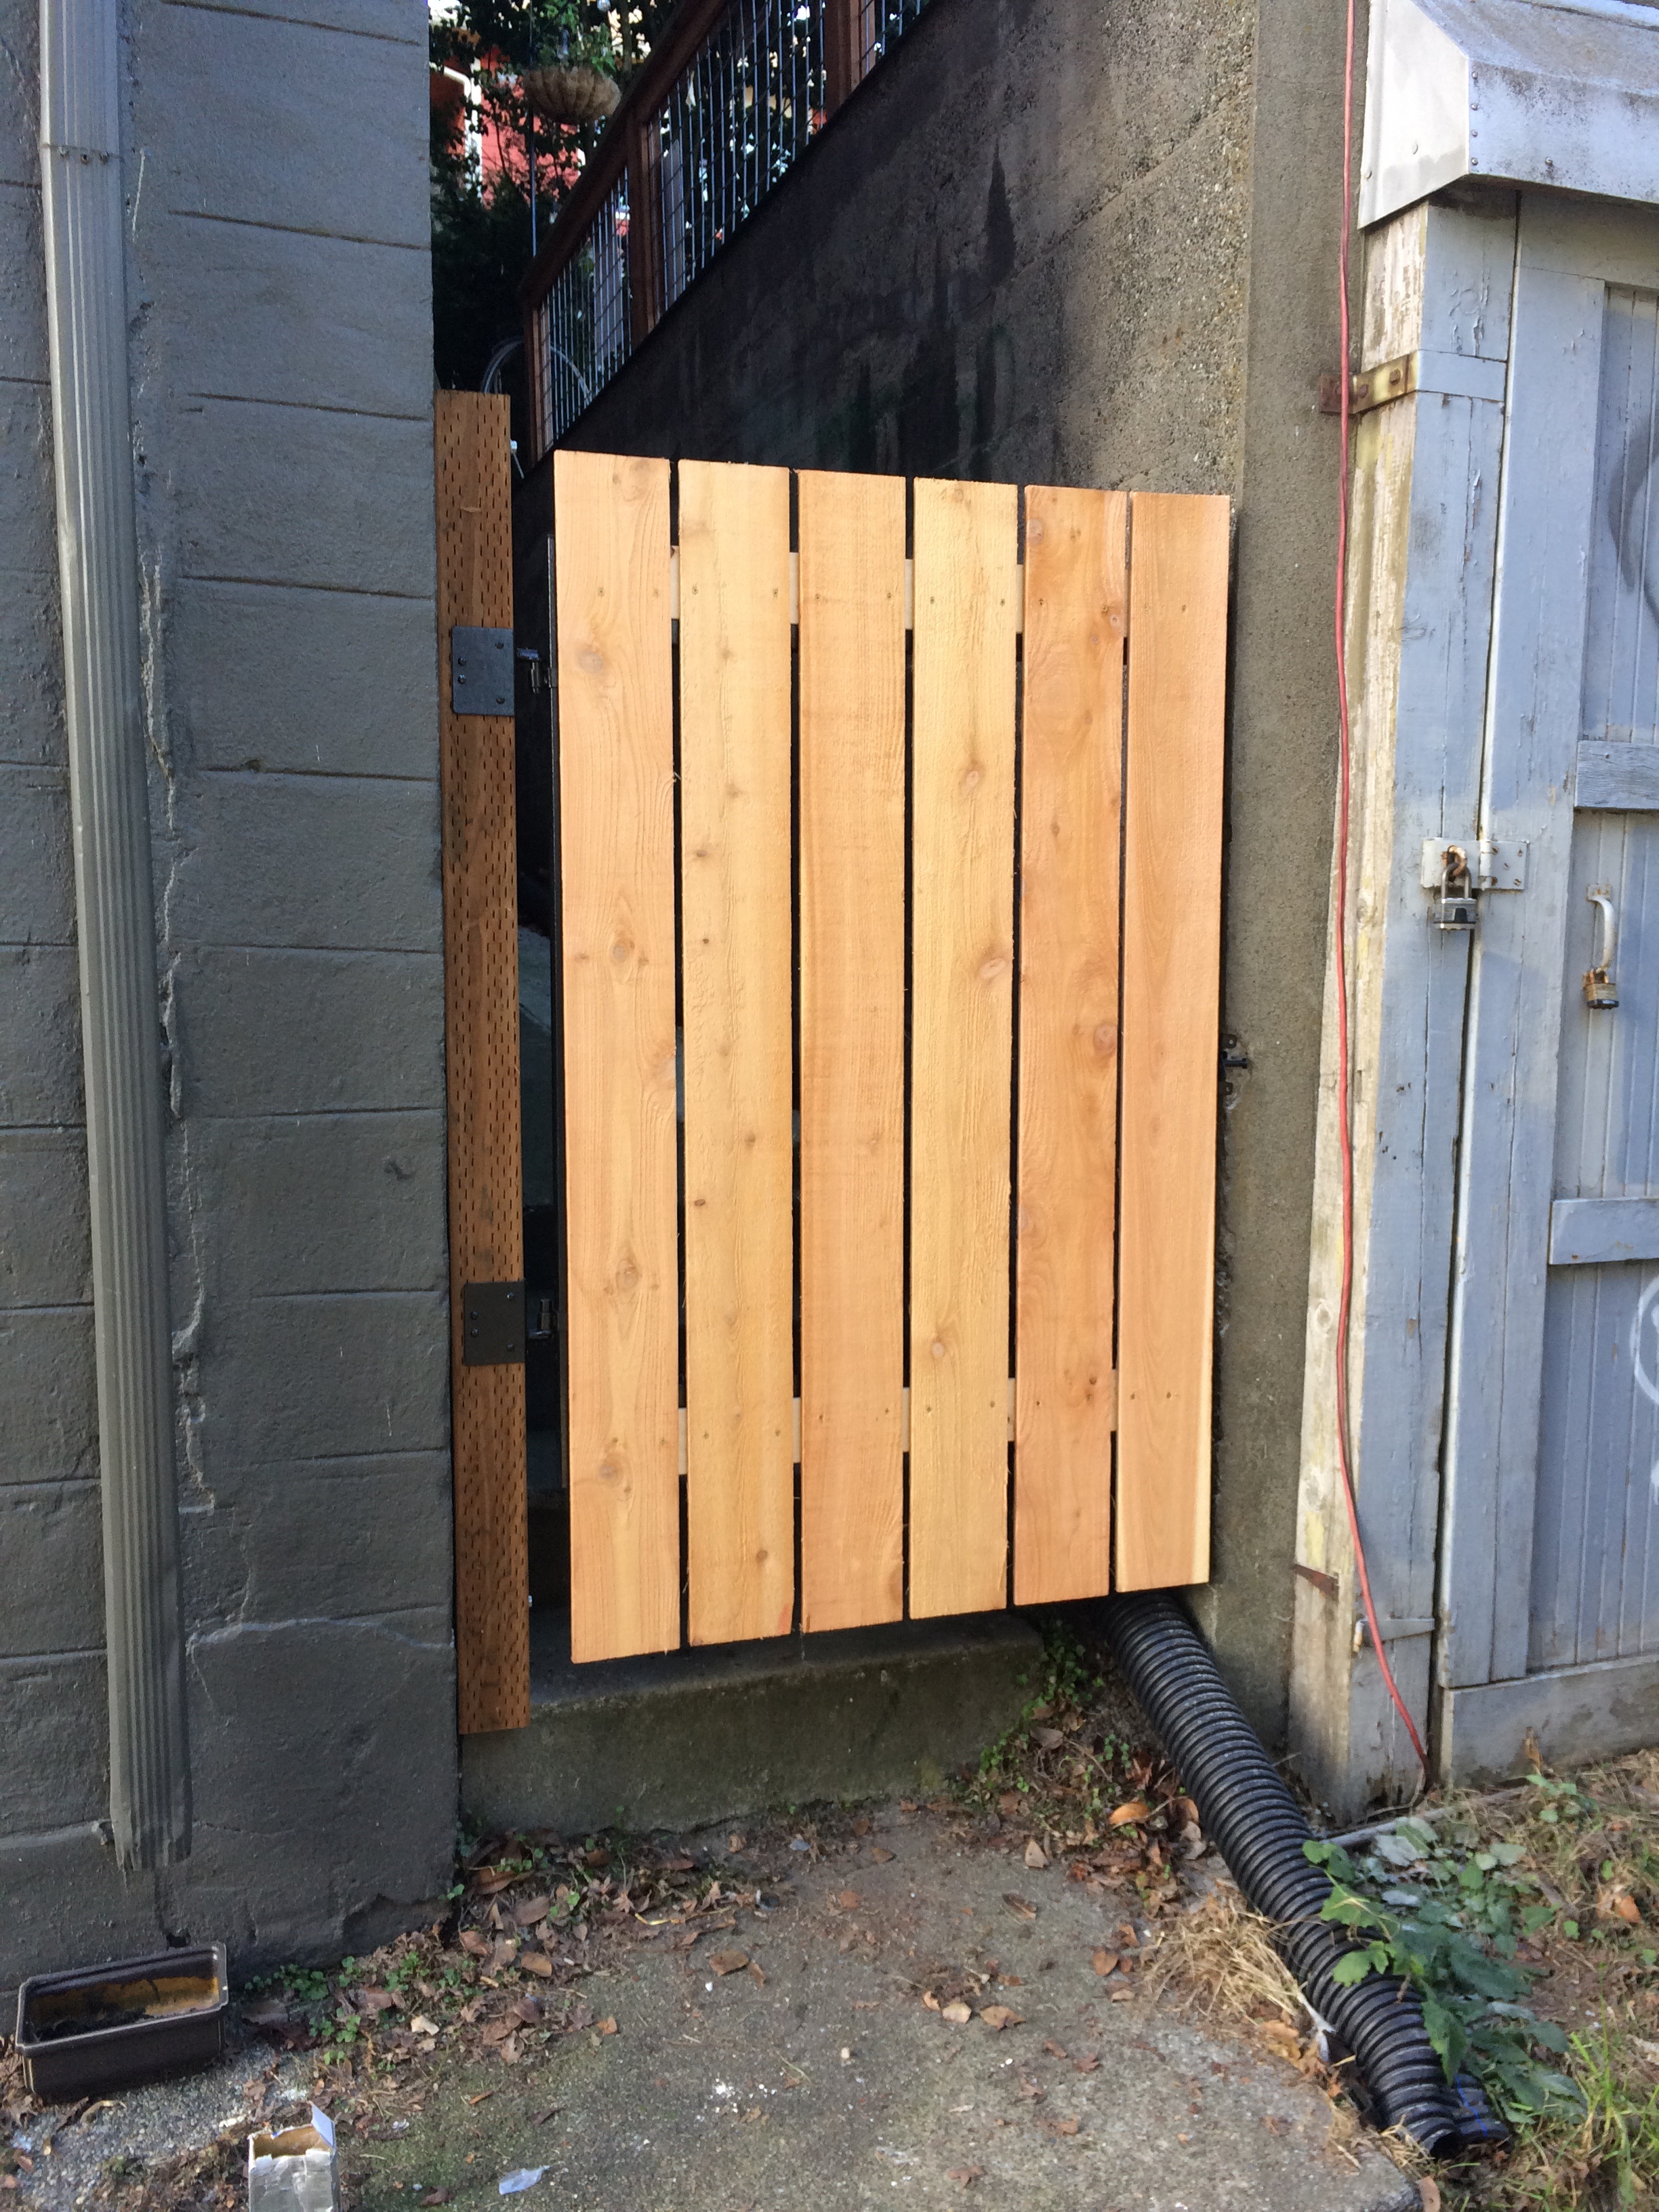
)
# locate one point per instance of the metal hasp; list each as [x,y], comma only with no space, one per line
[492,1325]
[480,669]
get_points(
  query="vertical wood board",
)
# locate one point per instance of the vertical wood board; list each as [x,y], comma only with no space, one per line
[1171,984]
[615,769]
[1075,615]
[851,1047]
[960,1151]
[735,741]
[481,1033]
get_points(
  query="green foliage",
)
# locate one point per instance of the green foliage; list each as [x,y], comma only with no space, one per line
[1441,1912]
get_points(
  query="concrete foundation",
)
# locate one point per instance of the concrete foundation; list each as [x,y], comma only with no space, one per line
[672,1741]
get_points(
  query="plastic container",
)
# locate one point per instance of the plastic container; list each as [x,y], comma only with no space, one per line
[103,2027]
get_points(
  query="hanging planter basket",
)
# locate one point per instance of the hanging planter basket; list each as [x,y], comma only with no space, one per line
[571,92]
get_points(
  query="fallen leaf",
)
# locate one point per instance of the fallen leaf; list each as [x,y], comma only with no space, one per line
[1009,1801]
[529,1909]
[497,2030]
[1127,1938]
[860,1826]
[481,2094]
[756,1974]
[956,2013]
[1030,2093]
[1000,2016]
[1036,1858]
[607,2026]
[880,1854]
[476,1944]
[437,2196]
[1136,1810]
[1067,2127]
[963,2176]
[1087,2064]
[1627,1908]
[508,2052]
[541,2119]
[930,2000]
[1054,2049]
[1429,2190]
[1120,1995]
[849,1900]
[678,1866]
[527,2010]
[493,1878]
[537,1962]
[728,1962]
[737,1842]
[1280,2031]
[1105,1962]
[421,2025]
[376,2001]
[1021,1907]
[503,1953]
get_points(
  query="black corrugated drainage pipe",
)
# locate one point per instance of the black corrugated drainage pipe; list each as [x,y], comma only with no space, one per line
[1247,1811]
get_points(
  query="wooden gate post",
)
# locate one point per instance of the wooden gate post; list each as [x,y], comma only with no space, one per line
[481,1028]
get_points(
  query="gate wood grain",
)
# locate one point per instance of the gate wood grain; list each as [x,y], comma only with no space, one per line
[1178,553]
[851,1047]
[966,561]
[1076,612]
[481,1031]
[735,734]
[615,743]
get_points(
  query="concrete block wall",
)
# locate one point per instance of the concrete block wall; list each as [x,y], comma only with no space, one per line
[278,298]
[1094,242]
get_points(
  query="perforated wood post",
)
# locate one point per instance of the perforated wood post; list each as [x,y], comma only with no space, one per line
[481,1021]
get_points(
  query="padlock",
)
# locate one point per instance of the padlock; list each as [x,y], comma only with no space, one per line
[1453,906]
[1600,992]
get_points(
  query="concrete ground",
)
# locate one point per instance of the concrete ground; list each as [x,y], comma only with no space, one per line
[789,2059]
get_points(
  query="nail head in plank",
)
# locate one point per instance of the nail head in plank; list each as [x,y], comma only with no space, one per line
[1077,585]
[736,991]
[481,1028]
[1178,554]
[965,547]
[616,766]
[852,1047]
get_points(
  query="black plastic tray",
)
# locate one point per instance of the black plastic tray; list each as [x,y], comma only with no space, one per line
[106,2028]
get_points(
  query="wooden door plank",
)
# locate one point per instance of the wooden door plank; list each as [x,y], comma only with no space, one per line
[1178,550]
[851,1047]
[615,743]
[1076,614]
[481,1033]
[966,550]
[735,892]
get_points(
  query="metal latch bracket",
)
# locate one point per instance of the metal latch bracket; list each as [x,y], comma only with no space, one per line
[480,669]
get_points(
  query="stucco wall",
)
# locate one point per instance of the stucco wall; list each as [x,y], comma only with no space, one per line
[278,298]
[1066,241]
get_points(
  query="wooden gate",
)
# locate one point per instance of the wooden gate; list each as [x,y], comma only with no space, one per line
[874,839]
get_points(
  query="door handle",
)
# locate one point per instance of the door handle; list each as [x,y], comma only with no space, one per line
[1599,990]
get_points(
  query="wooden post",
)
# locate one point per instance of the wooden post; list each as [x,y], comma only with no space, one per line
[481,1028]
[644,225]
[843,50]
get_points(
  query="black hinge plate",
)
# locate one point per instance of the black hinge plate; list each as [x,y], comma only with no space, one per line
[492,1325]
[480,671]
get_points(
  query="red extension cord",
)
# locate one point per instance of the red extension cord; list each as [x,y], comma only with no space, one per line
[1344,1312]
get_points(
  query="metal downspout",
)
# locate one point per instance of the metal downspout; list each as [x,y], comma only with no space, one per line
[98,570]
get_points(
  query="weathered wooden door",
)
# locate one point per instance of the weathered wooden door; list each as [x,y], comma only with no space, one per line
[1551,1557]
[875,836]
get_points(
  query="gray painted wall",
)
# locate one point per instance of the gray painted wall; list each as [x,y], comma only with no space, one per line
[278,297]
[1067,241]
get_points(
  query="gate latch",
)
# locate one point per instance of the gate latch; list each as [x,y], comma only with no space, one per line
[480,671]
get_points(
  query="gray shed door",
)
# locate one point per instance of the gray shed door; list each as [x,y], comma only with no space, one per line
[1551,1561]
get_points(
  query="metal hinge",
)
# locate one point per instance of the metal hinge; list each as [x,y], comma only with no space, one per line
[480,671]
[1449,375]
[493,1331]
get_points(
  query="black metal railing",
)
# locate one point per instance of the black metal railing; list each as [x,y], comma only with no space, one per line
[723,109]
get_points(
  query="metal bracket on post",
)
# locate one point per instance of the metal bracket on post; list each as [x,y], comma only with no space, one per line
[480,671]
